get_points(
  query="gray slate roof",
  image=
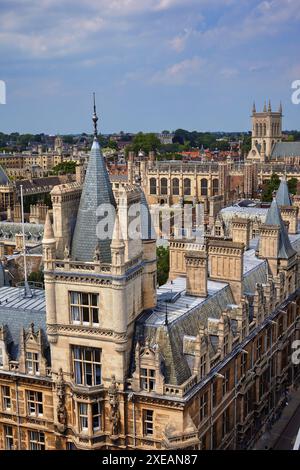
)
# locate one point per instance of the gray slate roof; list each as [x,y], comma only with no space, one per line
[286,149]
[285,249]
[97,190]
[283,196]
[18,312]
[3,177]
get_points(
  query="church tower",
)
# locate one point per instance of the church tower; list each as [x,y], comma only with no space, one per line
[266,131]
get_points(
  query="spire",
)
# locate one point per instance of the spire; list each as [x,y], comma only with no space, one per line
[269,107]
[282,196]
[253,108]
[117,238]
[265,108]
[96,199]
[285,249]
[95,117]
[48,229]
[280,108]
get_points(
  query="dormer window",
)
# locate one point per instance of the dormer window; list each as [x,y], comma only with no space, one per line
[84,308]
[147,379]
[32,363]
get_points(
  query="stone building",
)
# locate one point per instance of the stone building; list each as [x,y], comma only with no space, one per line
[103,359]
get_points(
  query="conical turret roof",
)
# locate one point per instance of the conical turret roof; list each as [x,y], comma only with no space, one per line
[96,192]
[283,196]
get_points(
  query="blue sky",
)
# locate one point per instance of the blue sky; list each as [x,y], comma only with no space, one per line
[154,64]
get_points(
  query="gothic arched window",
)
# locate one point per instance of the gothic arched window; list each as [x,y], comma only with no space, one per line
[187,186]
[175,187]
[164,186]
[152,185]
[215,186]
[204,186]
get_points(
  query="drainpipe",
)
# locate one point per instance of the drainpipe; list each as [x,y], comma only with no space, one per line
[131,398]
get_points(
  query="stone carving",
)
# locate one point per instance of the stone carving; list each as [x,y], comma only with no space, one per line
[61,408]
[97,254]
[114,407]
[66,252]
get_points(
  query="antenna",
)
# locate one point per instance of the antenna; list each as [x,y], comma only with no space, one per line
[28,292]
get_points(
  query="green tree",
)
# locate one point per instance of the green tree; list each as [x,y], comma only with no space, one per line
[271,186]
[292,185]
[163,267]
[64,168]
[145,142]
[36,276]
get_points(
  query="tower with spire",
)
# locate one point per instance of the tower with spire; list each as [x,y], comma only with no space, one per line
[266,131]
[100,275]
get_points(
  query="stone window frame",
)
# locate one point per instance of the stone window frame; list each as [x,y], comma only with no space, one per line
[32,358]
[147,379]
[34,402]
[203,405]
[8,437]
[148,422]
[89,414]
[81,304]
[82,361]
[36,440]
[6,398]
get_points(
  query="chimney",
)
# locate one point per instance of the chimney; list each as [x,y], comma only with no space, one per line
[226,264]
[240,231]
[196,273]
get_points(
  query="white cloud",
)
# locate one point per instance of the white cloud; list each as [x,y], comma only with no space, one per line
[179,73]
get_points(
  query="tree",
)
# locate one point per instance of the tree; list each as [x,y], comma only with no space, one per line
[146,142]
[163,267]
[36,276]
[271,186]
[64,168]
[292,185]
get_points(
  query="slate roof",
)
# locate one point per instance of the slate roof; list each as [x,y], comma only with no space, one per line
[97,190]
[18,312]
[3,177]
[286,149]
[283,196]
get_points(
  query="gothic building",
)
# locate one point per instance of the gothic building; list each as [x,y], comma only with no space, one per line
[103,359]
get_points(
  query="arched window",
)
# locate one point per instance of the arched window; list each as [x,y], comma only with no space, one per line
[265,129]
[256,130]
[264,146]
[204,187]
[260,130]
[187,186]
[164,186]
[215,186]
[152,186]
[175,187]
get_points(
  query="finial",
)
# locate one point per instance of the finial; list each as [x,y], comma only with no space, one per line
[95,117]
[280,107]
[265,107]
[254,108]
[269,107]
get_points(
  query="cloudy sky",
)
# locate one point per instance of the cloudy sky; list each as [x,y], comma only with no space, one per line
[154,64]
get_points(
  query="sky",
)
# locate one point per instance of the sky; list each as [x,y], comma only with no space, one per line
[153,64]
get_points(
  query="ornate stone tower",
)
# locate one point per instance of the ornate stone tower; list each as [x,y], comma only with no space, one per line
[266,131]
[95,285]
